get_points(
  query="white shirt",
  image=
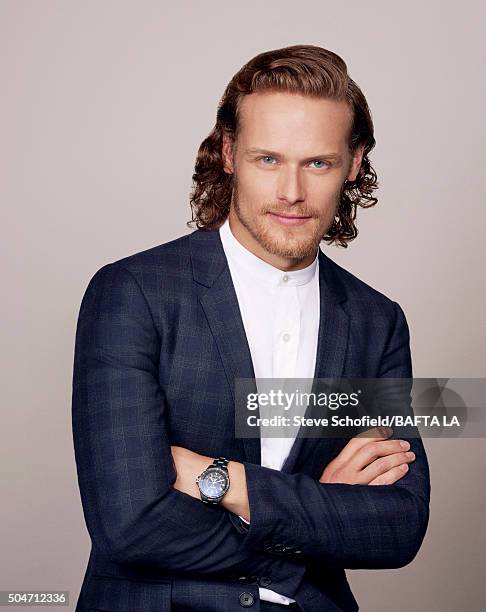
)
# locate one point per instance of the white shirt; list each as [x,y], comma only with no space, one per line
[280,312]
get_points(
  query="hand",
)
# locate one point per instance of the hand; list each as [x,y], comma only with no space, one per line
[188,466]
[369,460]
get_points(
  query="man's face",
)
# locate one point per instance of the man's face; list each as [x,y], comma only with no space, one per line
[289,166]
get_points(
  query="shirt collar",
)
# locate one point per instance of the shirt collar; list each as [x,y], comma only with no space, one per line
[257,268]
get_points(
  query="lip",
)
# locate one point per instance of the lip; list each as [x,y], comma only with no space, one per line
[288,219]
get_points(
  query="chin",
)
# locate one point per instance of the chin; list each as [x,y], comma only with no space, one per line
[288,247]
[294,253]
[288,242]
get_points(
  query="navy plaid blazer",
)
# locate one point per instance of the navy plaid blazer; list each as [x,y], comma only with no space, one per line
[159,343]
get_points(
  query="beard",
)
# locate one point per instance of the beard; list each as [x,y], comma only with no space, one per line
[295,243]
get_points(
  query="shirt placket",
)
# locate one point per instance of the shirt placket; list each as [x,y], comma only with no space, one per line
[286,332]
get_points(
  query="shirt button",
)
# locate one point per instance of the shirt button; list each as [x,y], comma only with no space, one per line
[285,278]
[286,337]
[246,600]
[265,581]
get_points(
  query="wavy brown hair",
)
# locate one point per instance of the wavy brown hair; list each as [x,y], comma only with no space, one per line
[304,69]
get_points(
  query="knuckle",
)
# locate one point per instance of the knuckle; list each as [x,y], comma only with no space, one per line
[385,447]
[369,450]
[401,458]
[387,463]
[338,475]
[382,464]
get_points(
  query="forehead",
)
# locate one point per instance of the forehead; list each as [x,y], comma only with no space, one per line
[273,119]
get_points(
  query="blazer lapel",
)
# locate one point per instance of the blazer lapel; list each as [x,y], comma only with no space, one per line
[220,303]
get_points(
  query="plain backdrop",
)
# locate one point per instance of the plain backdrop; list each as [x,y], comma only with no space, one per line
[103,107]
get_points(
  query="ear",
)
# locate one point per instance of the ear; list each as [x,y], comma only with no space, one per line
[227,154]
[356,163]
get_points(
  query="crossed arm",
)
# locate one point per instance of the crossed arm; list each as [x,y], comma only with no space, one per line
[127,477]
[363,462]
[371,460]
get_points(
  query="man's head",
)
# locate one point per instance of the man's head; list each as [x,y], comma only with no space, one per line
[287,159]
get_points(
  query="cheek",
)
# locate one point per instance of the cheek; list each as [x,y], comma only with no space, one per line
[256,187]
[323,187]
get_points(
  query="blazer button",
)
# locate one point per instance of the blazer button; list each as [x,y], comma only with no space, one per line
[246,600]
[265,581]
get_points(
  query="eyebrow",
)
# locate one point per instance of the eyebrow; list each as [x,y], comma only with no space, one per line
[253,150]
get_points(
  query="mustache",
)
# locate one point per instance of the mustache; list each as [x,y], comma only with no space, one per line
[306,212]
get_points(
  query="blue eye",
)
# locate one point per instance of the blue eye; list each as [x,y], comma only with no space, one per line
[319,161]
[265,158]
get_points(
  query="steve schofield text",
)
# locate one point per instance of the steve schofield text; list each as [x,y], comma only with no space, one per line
[347,421]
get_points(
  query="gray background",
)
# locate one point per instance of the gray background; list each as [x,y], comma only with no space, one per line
[103,107]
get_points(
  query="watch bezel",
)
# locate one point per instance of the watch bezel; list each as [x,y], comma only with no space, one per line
[209,470]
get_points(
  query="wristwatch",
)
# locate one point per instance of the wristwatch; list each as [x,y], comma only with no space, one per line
[214,482]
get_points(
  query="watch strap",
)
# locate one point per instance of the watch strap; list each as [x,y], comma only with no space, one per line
[221,462]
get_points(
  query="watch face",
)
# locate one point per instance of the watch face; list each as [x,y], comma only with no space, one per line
[214,482]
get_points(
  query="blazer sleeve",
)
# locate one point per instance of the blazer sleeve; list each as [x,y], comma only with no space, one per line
[122,449]
[343,525]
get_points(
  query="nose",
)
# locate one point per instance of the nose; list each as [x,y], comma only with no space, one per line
[291,187]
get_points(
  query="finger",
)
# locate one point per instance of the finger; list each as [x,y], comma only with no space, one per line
[391,476]
[382,465]
[371,435]
[375,449]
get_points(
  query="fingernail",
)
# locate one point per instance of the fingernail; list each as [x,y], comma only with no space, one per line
[404,467]
[405,444]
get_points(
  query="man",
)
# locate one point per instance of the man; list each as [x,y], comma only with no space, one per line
[182,514]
